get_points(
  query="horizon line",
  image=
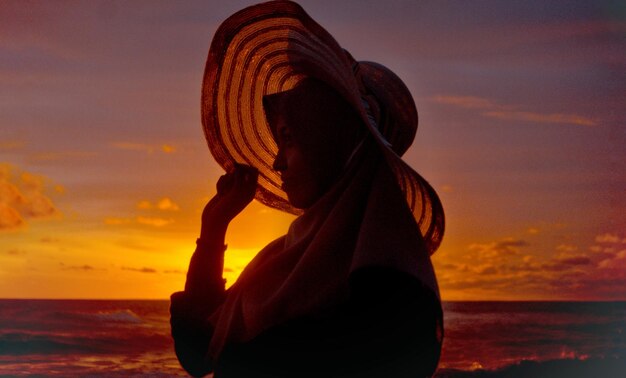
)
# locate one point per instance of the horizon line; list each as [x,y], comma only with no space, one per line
[443,301]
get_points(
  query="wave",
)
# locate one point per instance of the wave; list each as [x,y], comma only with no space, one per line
[34,343]
[565,368]
[121,316]
[26,343]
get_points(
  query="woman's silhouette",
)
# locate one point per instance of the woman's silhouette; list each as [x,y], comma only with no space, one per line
[349,291]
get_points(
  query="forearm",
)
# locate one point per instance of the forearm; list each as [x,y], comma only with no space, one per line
[204,276]
[191,308]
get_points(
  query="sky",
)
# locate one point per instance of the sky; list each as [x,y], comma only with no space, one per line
[104,169]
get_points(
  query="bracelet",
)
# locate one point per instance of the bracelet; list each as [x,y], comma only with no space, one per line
[205,244]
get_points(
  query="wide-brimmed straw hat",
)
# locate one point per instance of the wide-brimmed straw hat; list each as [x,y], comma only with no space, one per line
[270,47]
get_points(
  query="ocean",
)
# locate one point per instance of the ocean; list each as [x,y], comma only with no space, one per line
[106,338]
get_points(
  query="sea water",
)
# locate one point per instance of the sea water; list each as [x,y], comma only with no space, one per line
[107,338]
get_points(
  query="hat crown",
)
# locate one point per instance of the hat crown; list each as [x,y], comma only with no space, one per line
[389,103]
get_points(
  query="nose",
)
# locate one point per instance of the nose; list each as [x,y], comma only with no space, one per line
[280,164]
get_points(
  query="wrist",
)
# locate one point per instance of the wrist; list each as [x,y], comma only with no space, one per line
[211,245]
[213,228]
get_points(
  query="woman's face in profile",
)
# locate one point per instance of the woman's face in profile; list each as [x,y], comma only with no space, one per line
[301,172]
[315,132]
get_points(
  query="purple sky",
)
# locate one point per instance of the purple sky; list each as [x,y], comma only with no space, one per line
[522,133]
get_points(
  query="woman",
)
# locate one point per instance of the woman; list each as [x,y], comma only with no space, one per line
[349,291]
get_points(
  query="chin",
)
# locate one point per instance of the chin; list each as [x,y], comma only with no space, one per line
[300,202]
[297,204]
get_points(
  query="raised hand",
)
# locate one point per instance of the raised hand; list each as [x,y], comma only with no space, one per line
[235,190]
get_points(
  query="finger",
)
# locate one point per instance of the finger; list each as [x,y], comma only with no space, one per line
[225,183]
[244,167]
[221,183]
[238,174]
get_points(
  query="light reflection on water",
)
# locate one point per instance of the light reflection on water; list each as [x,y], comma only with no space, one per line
[132,338]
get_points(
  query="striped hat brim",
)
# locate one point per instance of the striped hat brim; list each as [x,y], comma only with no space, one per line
[270,47]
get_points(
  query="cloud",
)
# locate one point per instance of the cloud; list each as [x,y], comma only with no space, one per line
[168,149]
[154,221]
[22,196]
[491,109]
[84,268]
[508,246]
[147,221]
[165,204]
[570,119]
[609,239]
[576,260]
[486,269]
[10,219]
[145,148]
[174,271]
[59,156]
[614,262]
[507,268]
[566,248]
[140,270]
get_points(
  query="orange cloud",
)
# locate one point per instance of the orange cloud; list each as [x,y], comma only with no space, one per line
[508,246]
[147,221]
[22,198]
[63,156]
[506,268]
[83,268]
[168,149]
[10,219]
[164,204]
[615,262]
[609,238]
[142,147]
[154,221]
[566,248]
[492,109]
[570,119]
[140,270]
[167,204]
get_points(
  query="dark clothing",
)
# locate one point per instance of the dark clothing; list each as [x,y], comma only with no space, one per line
[390,326]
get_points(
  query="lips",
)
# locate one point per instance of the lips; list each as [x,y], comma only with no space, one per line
[286,183]
[284,186]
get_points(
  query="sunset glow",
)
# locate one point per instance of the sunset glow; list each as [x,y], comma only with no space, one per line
[104,169]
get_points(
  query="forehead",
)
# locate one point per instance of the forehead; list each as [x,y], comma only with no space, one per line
[275,107]
[308,99]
